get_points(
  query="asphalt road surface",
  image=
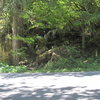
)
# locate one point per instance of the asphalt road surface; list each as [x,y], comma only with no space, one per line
[50,86]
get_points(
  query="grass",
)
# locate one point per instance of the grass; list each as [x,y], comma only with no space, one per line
[62,65]
[78,69]
[71,65]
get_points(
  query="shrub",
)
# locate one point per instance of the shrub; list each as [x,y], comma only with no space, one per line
[4,68]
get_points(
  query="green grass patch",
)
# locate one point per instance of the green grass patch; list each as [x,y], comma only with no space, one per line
[4,68]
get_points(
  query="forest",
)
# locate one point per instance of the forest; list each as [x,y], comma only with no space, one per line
[49,35]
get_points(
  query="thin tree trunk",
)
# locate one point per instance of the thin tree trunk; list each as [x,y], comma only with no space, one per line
[84,30]
[15,43]
[83,41]
[17,29]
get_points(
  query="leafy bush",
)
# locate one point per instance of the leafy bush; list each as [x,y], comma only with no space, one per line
[4,68]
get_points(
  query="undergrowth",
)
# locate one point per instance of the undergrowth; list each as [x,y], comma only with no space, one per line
[71,65]
[4,68]
[62,65]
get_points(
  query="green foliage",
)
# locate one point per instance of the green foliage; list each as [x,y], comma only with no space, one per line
[68,16]
[71,65]
[4,68]
[62,65]
[52,14]
[60,13]
[73,51]
[21,53]
[28,40]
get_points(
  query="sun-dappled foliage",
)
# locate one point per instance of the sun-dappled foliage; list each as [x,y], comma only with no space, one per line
[38,31]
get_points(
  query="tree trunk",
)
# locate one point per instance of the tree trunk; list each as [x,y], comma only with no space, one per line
[84,30]
[83,41]
[15,43]
[17,29]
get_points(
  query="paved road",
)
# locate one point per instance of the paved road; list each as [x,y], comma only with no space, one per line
[50,86]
